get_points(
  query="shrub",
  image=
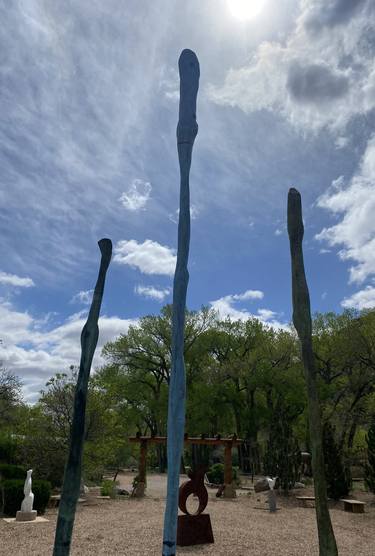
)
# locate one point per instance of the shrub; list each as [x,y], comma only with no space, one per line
[216,474]
[9,471]
[12,493]
[108,488]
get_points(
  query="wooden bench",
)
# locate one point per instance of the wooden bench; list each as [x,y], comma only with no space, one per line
[54,500]
[354,506]
[305,499]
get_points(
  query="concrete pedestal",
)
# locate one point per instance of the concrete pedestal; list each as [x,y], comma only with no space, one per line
[26,516]
[272,500]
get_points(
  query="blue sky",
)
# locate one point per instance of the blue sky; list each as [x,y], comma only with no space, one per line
[88,113]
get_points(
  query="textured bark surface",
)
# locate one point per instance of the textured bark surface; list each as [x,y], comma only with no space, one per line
[73,469]
[187,130]
[302,323]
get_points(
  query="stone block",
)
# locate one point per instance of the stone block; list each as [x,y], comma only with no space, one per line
[26,516]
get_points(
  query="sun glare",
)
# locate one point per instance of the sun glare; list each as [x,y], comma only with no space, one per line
[246,9]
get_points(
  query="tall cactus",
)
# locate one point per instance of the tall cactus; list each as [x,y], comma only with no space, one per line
[187,130]
[73,468]
[302,323]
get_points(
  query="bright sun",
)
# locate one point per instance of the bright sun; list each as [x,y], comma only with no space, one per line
[246,9]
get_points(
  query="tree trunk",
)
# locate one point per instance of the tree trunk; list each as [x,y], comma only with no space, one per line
[302,323]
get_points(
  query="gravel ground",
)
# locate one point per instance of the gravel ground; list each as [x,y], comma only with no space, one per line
[241,527]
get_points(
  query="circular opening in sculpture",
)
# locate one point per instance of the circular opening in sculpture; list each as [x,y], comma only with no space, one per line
[192,504]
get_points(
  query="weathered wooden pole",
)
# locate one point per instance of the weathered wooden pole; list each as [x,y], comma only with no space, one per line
[73,468]
[302,323]
[187,130]
[140,488]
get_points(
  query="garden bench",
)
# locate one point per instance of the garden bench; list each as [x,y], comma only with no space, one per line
[354,506]
[305,499]
[54,500]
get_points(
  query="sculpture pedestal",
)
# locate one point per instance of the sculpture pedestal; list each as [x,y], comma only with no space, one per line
[272,500]
[26,516]
[194,529]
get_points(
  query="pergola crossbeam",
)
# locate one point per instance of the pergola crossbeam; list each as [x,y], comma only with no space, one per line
[228,443]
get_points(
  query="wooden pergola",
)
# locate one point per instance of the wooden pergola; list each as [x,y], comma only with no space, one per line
[228,443]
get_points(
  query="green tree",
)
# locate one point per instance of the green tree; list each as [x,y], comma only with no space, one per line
[283,455]
[370,465]
[139,365]
[338,482]
[10,397]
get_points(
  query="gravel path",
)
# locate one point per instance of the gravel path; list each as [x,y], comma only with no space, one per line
[241,527]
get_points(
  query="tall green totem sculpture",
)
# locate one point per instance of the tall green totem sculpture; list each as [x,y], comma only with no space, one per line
[187,130]
[302,323]
[73,468]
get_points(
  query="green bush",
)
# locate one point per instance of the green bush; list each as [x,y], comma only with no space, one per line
[12,494]
[216,474]
[8,471]
[108,488]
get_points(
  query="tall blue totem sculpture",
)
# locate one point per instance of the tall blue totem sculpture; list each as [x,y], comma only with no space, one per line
[73,468]
[187,130]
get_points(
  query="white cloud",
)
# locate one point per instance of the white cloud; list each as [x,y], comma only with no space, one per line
[278,232]
[318,77]
[364,299]
[35,354]
[341,142]
[225,309]
[193,214]
[149,257]
[266,314]
[84,297]
[152,293]
[136,197]
[14,280]
[248,294]
[355,204]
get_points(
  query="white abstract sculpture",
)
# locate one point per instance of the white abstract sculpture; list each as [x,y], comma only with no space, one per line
[27,513]
[271,494]
[28,501]
[271,482]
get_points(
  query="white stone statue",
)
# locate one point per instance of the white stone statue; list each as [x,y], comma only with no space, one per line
[27,503]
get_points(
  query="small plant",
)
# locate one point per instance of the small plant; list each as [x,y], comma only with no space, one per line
[108,488]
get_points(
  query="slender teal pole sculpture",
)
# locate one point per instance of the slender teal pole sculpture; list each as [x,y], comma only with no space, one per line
[187,130]
[73,468]
[302,323]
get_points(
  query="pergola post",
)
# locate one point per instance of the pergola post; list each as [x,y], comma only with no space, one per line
[140,488]
[229,490]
